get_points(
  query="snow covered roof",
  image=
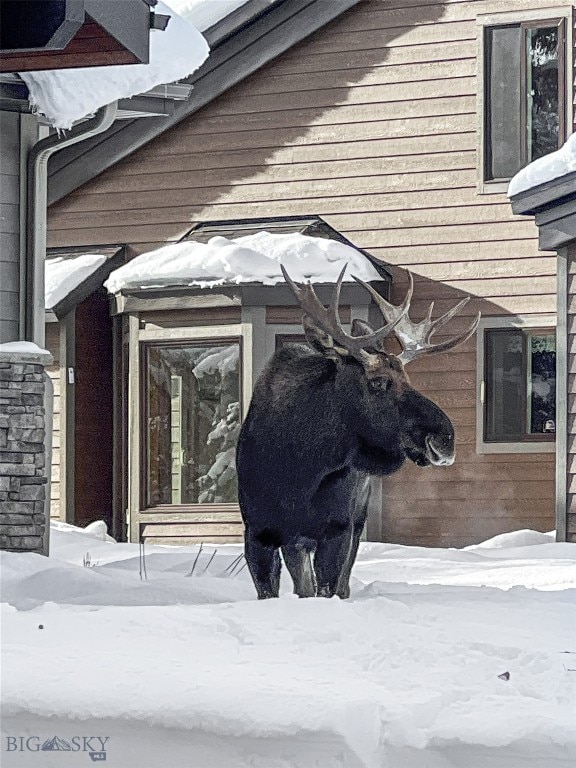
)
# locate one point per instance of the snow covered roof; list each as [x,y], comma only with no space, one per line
[67,95]
[62,275]
[254,258]
[547,168]
[203,14]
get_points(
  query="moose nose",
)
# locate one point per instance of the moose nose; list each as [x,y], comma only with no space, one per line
[437,455]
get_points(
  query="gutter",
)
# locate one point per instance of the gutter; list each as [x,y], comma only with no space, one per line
[32,259]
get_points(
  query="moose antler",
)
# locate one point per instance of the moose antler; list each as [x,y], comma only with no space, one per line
[415,337]
[328,320]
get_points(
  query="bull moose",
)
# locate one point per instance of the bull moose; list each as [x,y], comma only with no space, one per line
[324,417]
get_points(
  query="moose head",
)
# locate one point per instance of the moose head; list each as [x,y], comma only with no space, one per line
[425,434]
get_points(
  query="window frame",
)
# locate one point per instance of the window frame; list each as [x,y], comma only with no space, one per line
[139,333]
[145,346]
[528,18]
[531,444]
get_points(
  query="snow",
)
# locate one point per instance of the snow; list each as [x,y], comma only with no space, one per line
[205,13]
[251,259]
[546,168]
[181,669]
[67,95]
[64,275]
[22,347]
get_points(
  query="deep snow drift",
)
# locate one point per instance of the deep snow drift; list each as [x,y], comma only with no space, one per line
[461,658]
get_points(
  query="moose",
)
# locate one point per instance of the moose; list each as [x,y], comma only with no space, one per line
[324,417]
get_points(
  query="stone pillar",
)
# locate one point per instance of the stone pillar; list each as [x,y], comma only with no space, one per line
[23,455]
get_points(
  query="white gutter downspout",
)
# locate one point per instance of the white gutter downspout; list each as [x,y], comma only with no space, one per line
[37,191]
[35,255]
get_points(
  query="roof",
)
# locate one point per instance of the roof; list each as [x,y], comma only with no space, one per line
[254,258]
[68,95]
[254,34]
[72,274]
[314,226]
[69,33]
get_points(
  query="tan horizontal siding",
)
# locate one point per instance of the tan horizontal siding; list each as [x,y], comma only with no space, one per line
[371,123]
[345,148]
[284,138]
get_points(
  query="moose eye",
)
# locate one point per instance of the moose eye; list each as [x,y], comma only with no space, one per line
[380,384]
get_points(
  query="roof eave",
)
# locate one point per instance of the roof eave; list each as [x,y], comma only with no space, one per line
[553,206]
[265,36]
[91,283]
[536,199]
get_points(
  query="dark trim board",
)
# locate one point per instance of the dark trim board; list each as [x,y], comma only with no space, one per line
[266,37]
[562,351]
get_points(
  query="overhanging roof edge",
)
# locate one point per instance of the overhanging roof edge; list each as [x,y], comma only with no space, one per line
[284,25]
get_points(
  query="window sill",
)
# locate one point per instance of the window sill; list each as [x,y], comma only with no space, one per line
[493,187]
[546,446]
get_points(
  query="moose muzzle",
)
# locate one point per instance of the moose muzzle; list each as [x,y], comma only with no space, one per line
[438,455]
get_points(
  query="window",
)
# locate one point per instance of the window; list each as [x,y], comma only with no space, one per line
[524,95]
[520,381]
[191,422]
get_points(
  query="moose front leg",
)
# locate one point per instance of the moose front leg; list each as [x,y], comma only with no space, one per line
[264,564]
[299,565]
[359,516]
[331,557]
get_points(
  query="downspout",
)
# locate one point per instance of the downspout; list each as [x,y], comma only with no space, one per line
[32,264]
[37,197]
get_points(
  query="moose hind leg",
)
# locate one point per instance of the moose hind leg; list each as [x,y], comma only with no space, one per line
[264,564]
[299,565]
[331,557]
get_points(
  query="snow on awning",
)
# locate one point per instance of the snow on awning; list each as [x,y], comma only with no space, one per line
[67,95]
[546,168]
[252,259]
[64,275]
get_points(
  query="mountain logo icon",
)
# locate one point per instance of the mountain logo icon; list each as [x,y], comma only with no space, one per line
[56,744]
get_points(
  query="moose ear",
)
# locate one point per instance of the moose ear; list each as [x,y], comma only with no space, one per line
[362,328]
[320,340]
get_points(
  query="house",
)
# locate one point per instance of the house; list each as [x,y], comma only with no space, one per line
[52,80]
[399,124]
[546,189]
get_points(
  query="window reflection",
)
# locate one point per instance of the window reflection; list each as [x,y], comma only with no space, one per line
[542,91]
[541,399]
[520,376]
[192,421]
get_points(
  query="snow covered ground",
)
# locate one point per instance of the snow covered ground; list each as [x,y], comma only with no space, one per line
[441,658]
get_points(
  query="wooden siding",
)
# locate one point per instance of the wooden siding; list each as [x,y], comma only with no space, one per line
[52,343]
[371,123]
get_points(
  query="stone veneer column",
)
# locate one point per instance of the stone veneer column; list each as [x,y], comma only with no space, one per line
[23,470]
